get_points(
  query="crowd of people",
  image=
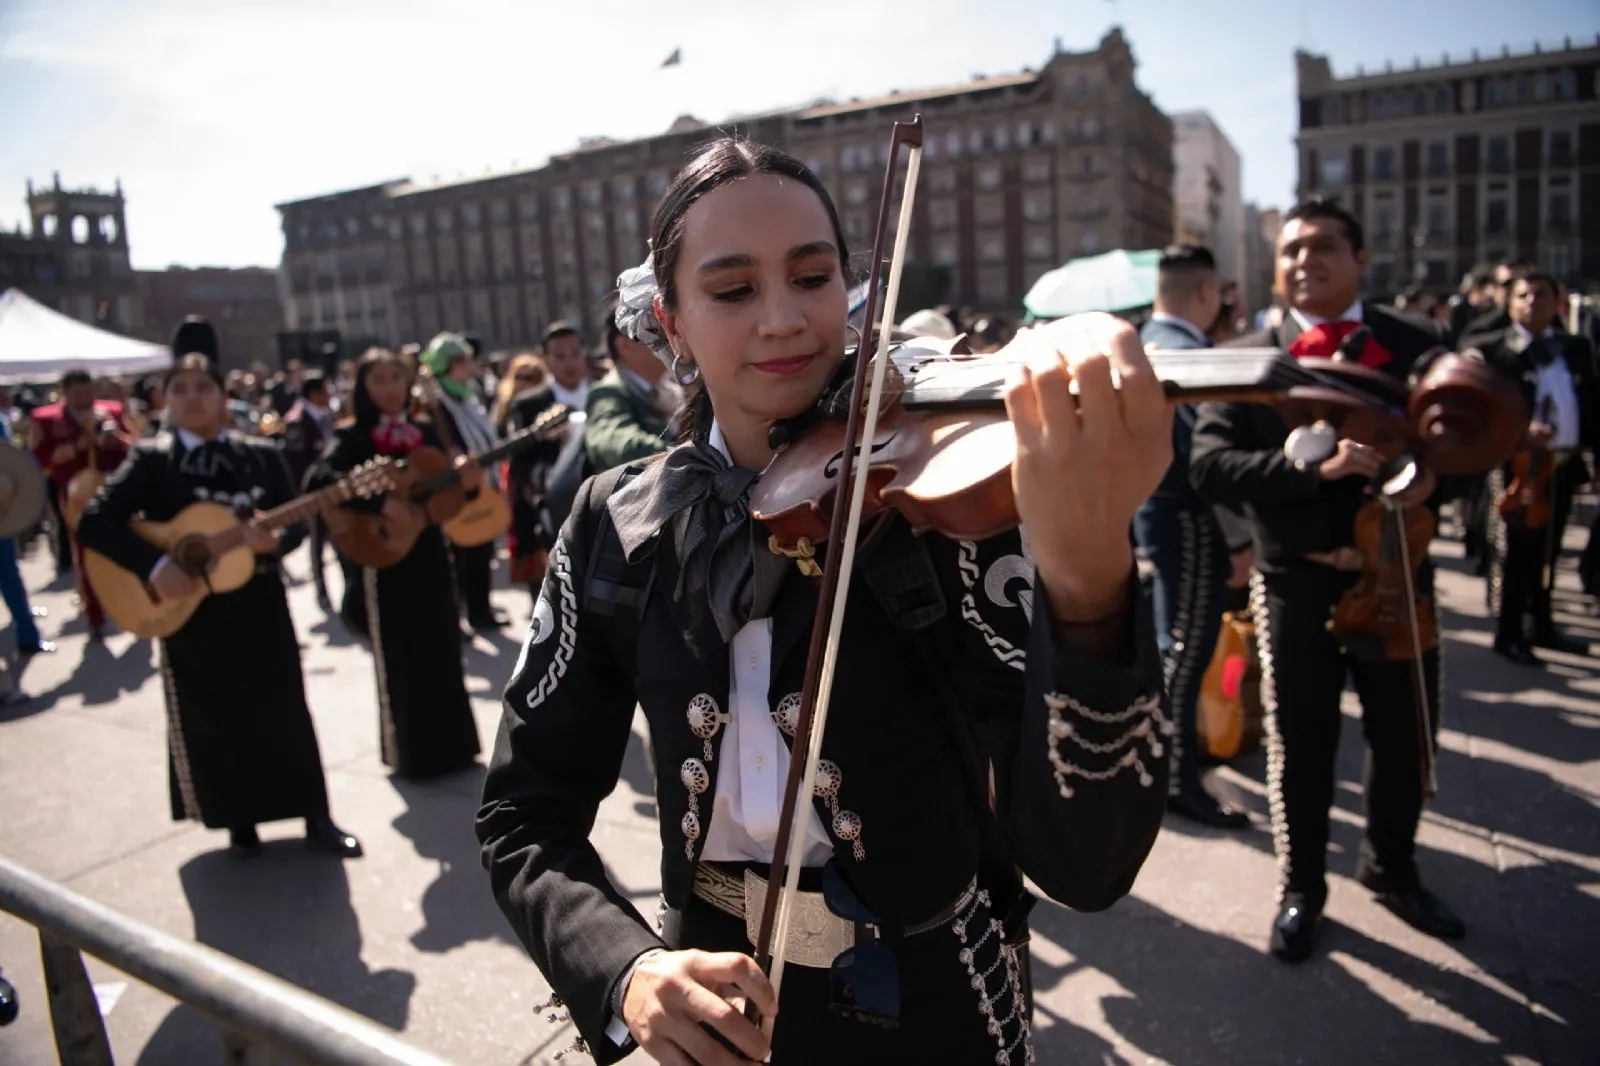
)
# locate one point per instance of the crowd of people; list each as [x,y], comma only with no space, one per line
[627,475]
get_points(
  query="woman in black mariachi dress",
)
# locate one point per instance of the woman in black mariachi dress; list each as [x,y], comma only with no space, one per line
[241,745]
[1036,653]
[408,610]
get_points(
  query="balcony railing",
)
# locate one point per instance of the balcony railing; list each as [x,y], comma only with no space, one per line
[260,1015]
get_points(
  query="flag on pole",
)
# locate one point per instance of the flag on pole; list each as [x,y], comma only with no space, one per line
[674,59]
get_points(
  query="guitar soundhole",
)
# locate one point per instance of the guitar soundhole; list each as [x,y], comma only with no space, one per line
[191,556]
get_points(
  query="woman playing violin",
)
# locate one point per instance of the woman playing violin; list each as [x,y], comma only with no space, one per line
[242,748]
[909,943]
[408,610]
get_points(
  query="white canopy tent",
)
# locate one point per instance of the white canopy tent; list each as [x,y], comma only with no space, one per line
[38,344]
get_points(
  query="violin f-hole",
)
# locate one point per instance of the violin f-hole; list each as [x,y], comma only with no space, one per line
[830,469]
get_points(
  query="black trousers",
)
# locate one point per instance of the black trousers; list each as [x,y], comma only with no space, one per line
[1475,513]
[1523,589]
[474,578]
[317,545]
[1304,669]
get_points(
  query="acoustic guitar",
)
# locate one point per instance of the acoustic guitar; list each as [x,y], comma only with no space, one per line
[484,514]
[207,542]
[429,485]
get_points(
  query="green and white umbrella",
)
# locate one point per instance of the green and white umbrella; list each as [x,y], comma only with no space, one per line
[1115,281]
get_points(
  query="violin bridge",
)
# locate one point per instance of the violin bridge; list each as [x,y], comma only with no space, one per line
[803,552]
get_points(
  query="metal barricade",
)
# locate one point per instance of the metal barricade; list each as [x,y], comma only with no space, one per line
[261,1017]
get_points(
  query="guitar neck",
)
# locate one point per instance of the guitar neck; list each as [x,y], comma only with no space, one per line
[523,438]
[296,510]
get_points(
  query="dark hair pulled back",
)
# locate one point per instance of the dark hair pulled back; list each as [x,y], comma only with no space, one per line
[716,164]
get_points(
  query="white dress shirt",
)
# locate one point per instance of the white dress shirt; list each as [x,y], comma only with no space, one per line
[755,759]
[573,399]
[1351,314]
[1555,384]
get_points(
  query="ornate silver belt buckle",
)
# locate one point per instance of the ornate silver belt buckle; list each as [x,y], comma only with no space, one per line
[817,936]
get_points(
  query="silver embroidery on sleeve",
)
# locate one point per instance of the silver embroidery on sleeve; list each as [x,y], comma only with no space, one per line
[561,568]
[1144,724]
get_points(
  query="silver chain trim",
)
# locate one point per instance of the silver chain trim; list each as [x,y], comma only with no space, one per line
[1151,729]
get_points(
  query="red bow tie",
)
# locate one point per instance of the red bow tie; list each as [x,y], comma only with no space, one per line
[1324,340]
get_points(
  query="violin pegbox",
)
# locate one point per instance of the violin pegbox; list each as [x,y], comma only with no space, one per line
[371,478]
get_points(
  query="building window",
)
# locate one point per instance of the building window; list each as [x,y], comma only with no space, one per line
[1090,241]
[1383,168]
[992,249]
[1002,137]
[1559,257]
[1560,148]
[952,143]
[1559,211]
[1383,224]
[622,190]
[943,180]
[855,225]
[470,216]
[597,226]
[975,139]
[1047,131]
[529,208]
[563,200]
[946,252]
[855,193]
[1438,159]
[1566,85]
[1026,133]
[499,212]
[658,183]
[1438,217]
[992,284]
[990,210]
[1039,246]
[1333,110]
[942,214]
[1036,205]
[1332,171]
[1442,101]
[989,176]
[591,193]
[443,220]
[1089,127]
[1499,155]
[1496,218]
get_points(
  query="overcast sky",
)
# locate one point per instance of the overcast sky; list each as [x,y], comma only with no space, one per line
[211,111]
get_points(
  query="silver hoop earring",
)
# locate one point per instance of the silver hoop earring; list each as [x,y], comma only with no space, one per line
[857,332]
[682,379]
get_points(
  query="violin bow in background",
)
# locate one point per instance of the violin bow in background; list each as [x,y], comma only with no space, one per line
[845,527]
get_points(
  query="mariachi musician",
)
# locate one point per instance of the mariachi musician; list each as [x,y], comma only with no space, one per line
[242,749]
[68,436]
[1305,519]
[1557,373]
[1036,652]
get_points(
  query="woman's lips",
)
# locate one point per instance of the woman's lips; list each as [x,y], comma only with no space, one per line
[792,365]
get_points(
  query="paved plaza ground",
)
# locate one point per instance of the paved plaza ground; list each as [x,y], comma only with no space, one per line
[1176,973]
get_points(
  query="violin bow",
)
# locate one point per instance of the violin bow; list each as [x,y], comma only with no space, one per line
[1419,682]
[828,622]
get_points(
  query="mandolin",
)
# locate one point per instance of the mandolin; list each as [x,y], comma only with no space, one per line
[207,542]
[430,486]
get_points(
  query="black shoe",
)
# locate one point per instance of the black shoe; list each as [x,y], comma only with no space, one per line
[1198,805]
[491,621]
[323,835]
[1556,642]
[1517,651]
[1294,930]
[244,843]
[44,647]
[8,1002]
[1422,910]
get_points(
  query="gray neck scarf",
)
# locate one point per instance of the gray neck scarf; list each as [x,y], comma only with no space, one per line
[705,499]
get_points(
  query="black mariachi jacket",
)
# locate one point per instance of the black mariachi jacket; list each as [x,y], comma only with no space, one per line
[1508,349]
[150,485]
[1238,459]
[569,706]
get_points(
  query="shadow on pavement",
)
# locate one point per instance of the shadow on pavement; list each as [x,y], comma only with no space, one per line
[287,912]
[457,907]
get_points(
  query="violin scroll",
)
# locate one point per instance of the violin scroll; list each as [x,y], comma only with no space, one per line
[1469,416]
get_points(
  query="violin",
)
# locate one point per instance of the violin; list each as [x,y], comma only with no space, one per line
[942,453]
[1525,504]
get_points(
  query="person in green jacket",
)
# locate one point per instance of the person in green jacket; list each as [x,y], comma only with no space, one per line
[629,411]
